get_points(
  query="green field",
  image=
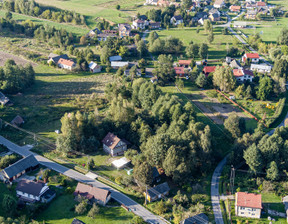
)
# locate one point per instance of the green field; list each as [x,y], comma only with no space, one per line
[101,9]
[78,30]
[217,50]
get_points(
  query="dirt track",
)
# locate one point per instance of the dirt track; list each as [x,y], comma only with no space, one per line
[19,61]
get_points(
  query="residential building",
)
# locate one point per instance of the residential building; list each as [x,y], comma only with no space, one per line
[124,30]
[208,69]
[180,71]
[254,57]
[196,219]
[251,14]
[30,191]
[66,64]
[55,58]
[213,11]
[127,72]
[235,8]
[92,194]
[260,4]
[114,145]
[262,68]
[138,24]
[243,75]
[163,3]
[250,5]
[115,58]
[219,4]
[235,64]
[184,63]
[157,192]
[119,64]
[214,17]
[20,167]
[248,205]
[17,121]
[176,20]
[93,33]
[94,67]
[154,25]
[151,2]
[3,99]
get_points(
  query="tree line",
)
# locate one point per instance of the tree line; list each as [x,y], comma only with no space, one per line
[31,8]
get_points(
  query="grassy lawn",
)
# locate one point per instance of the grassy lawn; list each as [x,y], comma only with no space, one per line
[61,211]
[78,30]
[217,50]
[101,9]
[272,201]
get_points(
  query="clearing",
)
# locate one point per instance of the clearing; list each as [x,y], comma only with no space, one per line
[4,56]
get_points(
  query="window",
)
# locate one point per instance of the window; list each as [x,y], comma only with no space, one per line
[242,213]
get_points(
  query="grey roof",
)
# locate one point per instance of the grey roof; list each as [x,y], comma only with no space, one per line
[155,172]
[178,17]
[197,219]
[160,189]
[58,57]
[115,58]
[3,99]
[200,15]
[20,166]
[77,221]
[235,64]
[30,187]
[119,63]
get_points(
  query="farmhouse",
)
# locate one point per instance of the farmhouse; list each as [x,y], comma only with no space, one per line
[30,191]
[92,194]
[219,4]
[94,68]
[243,75]
[114,145]
[176,20]
[17,121]
[254,57]
[262,68]
[3,99]
[55,58]
[248,205]
[208,69]
[20,167]
[196,219]
[66,64]
[124,30]
[157,192]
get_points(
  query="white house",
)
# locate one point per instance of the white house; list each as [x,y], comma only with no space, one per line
[94,68]
[138,24]
[151,2]
[176,20]
[31,191]
[248,205]
[219,4]
[254,57]
[66,64]
[114,145]
[3,99]
[262,68]
[119,64]
[243,75]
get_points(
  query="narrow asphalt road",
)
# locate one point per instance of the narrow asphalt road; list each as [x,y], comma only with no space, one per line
[118,196]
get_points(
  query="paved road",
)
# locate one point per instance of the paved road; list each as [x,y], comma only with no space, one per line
[118,196]
[215,197]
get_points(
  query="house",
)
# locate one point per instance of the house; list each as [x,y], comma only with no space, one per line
[114,145]
[17,121]
[248,205]
[124,30]
[157,192]
[121,163]
[30,191]
[55,58]
[219,4]
[77,221]
[94,68]
[184,63]
[127,72]
[196,219]
[214,17]
[154,25]
[213,10]
[19,168]
[243,75]
[105,36]
[260,4]
[201,15]
[176,20]
[235,64]
[163,3]
[151,2]
[254,57]
[138,24]
[180,71]
[66,64]
[119,64]
[3,99]
[250,5]
[251,14]
[208,69]
[235,8]
[92,194]
[262,68]
[115,58]
[93,33]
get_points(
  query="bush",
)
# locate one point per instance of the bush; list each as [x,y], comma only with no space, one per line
[118,180]
[81,208]
[277,114]
[93,211]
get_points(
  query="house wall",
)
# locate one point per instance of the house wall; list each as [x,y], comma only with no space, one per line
[96,70]
[119,149]
[28,196]
[248,212]
[65,66]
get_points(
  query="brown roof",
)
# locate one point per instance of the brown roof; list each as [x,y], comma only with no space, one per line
[111,140]
[17,120]
[90,192]
[66,62]
[184,62]
[249,200]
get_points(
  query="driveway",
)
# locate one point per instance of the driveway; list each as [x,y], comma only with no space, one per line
[118,196]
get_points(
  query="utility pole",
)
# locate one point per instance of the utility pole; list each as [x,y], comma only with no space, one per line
[232,177]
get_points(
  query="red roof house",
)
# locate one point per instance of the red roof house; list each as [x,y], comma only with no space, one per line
[235,8]
[208,69]
[253,56]
[260,4]
[179,71]
[248,205]
[184,63]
